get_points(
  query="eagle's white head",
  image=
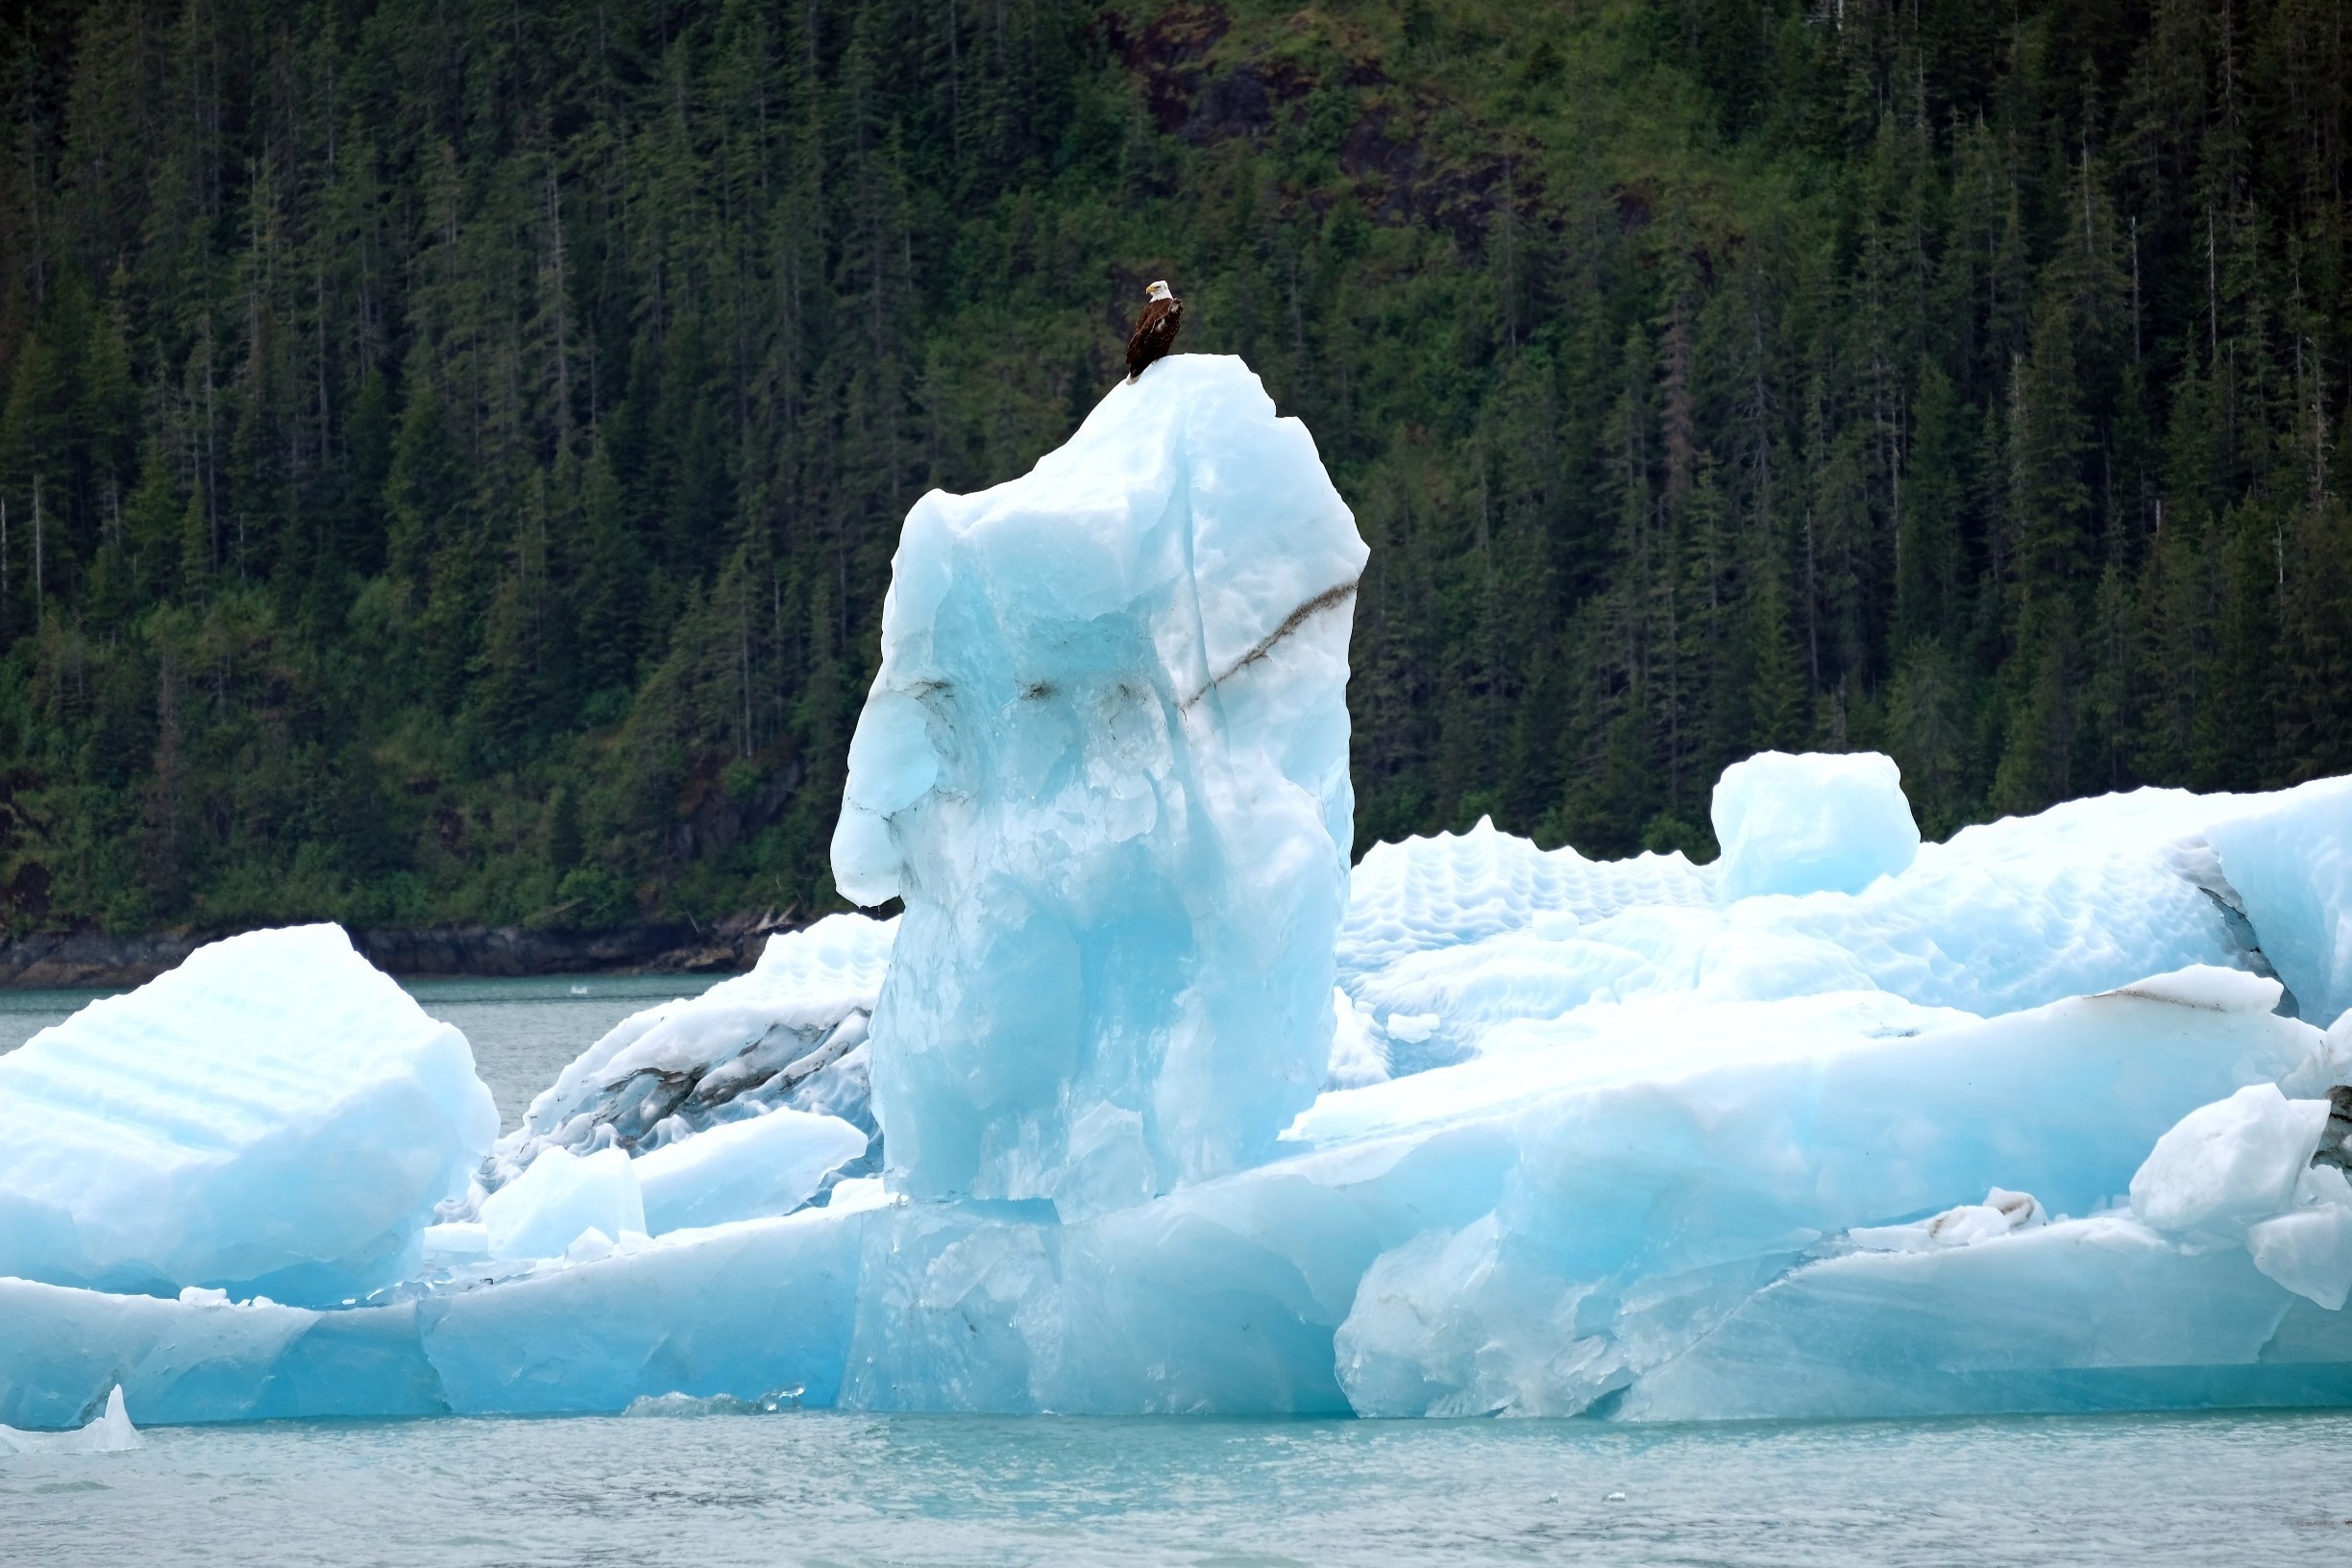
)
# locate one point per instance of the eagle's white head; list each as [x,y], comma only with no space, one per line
[1158,291]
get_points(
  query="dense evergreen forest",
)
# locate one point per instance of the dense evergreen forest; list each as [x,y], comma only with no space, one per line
[451,451]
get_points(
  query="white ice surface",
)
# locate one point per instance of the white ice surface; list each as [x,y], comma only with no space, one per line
[542,1212]
[2307,1250]
[1451,890]
[273,1115]
[1645,1203]
[2229,1164]
[1504,945]
[1359,1046]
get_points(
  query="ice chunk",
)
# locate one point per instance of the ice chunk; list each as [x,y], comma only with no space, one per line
[542,1212]
[274,1115]
[735,1104]
[770,1165]
[591,1245]
[2002,1213]
[1105,764]
[111,1432]
[2289,859]
[1359,1055]
[858,1193]
[790,1033]
[1811,823]
[2309,1250]
[2327,1069]
[2229,1164]
[194,1358]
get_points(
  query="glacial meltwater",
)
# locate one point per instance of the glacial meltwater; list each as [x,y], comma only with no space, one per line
[710,1486]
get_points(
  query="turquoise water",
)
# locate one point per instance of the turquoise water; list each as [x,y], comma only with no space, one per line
[828,1489]
[841,1489]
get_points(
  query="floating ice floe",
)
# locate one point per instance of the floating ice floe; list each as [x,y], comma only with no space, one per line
[274,1115]
[110,1432]
[2049,1117]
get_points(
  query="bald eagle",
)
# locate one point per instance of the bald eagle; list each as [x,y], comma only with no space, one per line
[1156,333]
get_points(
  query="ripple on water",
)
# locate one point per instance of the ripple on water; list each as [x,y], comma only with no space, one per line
[843,1489]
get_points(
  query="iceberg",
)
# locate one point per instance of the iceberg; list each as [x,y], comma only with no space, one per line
[1149,1104]
[2226,1165]
[273,1117]
[1104,763]
[1593,1233]
[771,1164]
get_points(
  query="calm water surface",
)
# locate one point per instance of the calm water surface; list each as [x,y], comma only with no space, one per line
[823,1489]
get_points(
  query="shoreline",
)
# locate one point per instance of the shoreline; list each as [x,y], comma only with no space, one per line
[93,961]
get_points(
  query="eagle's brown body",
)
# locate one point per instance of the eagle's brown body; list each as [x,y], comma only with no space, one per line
[1154,334]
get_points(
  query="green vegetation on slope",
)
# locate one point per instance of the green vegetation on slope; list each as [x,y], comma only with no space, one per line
[452,453]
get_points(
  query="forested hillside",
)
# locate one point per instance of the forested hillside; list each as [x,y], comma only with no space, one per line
[451,453]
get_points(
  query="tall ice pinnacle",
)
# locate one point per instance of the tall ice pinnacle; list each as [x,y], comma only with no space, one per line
[1105,764]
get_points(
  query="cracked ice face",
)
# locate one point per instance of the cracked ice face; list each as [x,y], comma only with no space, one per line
[1105,764]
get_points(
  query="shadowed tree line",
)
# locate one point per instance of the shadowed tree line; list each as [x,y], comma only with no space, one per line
[452,454]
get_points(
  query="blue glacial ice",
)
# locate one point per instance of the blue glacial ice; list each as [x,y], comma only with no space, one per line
[273,1117]
[1810,824]
[560,1198]
[1148,1103]
[1105,764]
